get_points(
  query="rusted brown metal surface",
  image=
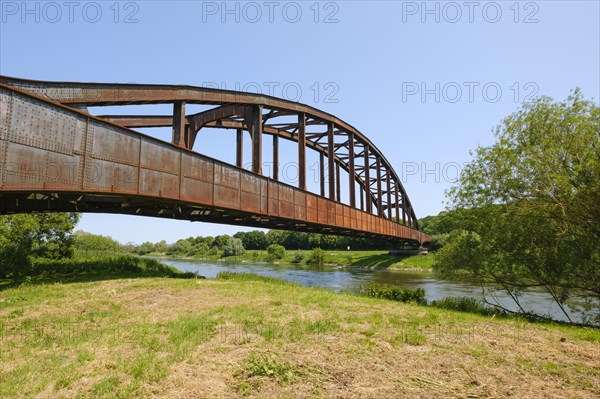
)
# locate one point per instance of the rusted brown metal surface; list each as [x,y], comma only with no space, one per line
[56,158]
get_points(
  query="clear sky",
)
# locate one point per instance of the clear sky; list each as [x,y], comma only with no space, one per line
[425,81]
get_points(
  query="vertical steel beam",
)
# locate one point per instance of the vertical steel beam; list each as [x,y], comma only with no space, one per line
[367,179]
[179,123]
[187,137]
[239,148]
[404,208]
[361,192]
[322,173]
[397,202]
[389,194]
[256,133]
[275,157]
[338,185]
[379,198]
[351,181]
[330,160]
[302,151]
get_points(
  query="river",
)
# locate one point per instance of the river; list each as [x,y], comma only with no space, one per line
[345,279]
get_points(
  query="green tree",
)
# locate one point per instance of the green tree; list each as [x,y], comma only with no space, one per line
[533,205]
[221,241]
[254,239]
[233,247]
[25,236]
[181,247]
[275,251]
[84,241]
[145,248]
[161,247]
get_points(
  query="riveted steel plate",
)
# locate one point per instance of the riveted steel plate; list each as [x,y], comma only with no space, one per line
[264,197]
[44,126]
[250,183]
[312,208]
[226,197]
[197,168]
[159,184]
[5,110]
[110,176]
[299,205]
[323,210]
[227,176]
[114,144]
[273,194]
[160,156]
[197,191]
[331,213]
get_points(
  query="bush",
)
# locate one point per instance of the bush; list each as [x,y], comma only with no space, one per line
[275,251]
[464,304]
[298,257]
[233,247]
[107,264]
[251,277]
[398,294]
[316,257]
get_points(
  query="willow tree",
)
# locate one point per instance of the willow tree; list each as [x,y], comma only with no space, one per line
[534,205]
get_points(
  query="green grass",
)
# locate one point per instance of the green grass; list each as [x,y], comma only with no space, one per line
[254,336]
[100,266]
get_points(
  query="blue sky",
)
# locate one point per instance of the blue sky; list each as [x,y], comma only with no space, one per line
[426,82]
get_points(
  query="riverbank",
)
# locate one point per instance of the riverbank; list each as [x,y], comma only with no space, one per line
[374,260]
[157,337]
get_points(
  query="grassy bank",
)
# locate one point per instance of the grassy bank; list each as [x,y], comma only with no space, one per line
[333,258]
[92,267]
[257,337]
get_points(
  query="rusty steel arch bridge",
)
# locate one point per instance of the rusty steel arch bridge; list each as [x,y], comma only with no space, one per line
[56,156]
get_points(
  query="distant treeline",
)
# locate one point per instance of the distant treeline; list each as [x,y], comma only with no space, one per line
[259,240]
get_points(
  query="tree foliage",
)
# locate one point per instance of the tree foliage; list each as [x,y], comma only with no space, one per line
[530,204]
[276,251]
[233,247]
[84,241]
[24,236]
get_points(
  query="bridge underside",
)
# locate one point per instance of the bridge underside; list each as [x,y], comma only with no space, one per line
[57,158]
[34,202]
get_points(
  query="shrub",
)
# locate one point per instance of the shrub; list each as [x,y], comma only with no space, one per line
[251,277]
[316,257]
[398,294]
[464,304]
[275,251]
[298,257]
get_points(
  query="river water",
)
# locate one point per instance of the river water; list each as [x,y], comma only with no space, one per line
[350,280]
